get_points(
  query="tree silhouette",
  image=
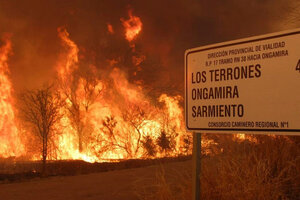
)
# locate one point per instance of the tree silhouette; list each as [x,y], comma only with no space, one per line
[149,146]
[165,142]
[40,109]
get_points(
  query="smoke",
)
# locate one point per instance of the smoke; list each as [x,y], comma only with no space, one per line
[169,28]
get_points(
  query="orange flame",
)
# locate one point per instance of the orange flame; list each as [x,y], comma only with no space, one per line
[137,60]
[133,26]
[68,63]
[103,119]
[110,29]
[68,147]
[10,143]
[118,117]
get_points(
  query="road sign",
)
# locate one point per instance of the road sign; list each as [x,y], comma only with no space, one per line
[248,85]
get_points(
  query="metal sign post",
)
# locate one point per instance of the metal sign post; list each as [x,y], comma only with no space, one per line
[196,165]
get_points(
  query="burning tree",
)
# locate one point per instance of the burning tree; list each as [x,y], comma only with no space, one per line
[134,115]
[81,98]
[80,89]
[125,133]
[112,141]
[40,109]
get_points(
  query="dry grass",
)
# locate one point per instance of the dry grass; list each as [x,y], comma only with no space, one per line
[265,170]
[164,186]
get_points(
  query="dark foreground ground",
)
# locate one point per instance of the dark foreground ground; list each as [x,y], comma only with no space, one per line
[112,185]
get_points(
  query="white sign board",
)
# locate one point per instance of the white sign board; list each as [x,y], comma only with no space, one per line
[248,85]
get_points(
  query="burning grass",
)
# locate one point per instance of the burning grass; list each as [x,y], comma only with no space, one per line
[265,169]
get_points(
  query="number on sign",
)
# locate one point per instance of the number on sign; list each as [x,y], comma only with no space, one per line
[298,66]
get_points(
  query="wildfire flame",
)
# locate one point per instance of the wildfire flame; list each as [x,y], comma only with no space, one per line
[10,143]
[110,29]
[103,119]
[68,63]
[133,26]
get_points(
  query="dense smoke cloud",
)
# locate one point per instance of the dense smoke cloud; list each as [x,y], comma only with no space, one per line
[169,28]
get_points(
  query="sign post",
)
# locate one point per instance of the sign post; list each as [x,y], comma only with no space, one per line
[196,165]
[250,85]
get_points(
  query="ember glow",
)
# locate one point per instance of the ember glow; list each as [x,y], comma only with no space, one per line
[103,119]
[110,28]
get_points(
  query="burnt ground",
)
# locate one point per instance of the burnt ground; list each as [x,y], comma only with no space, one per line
[119,184]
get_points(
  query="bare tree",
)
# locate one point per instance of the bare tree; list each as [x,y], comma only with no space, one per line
[115,139]
[40,109]
[127,140]
[135,115]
